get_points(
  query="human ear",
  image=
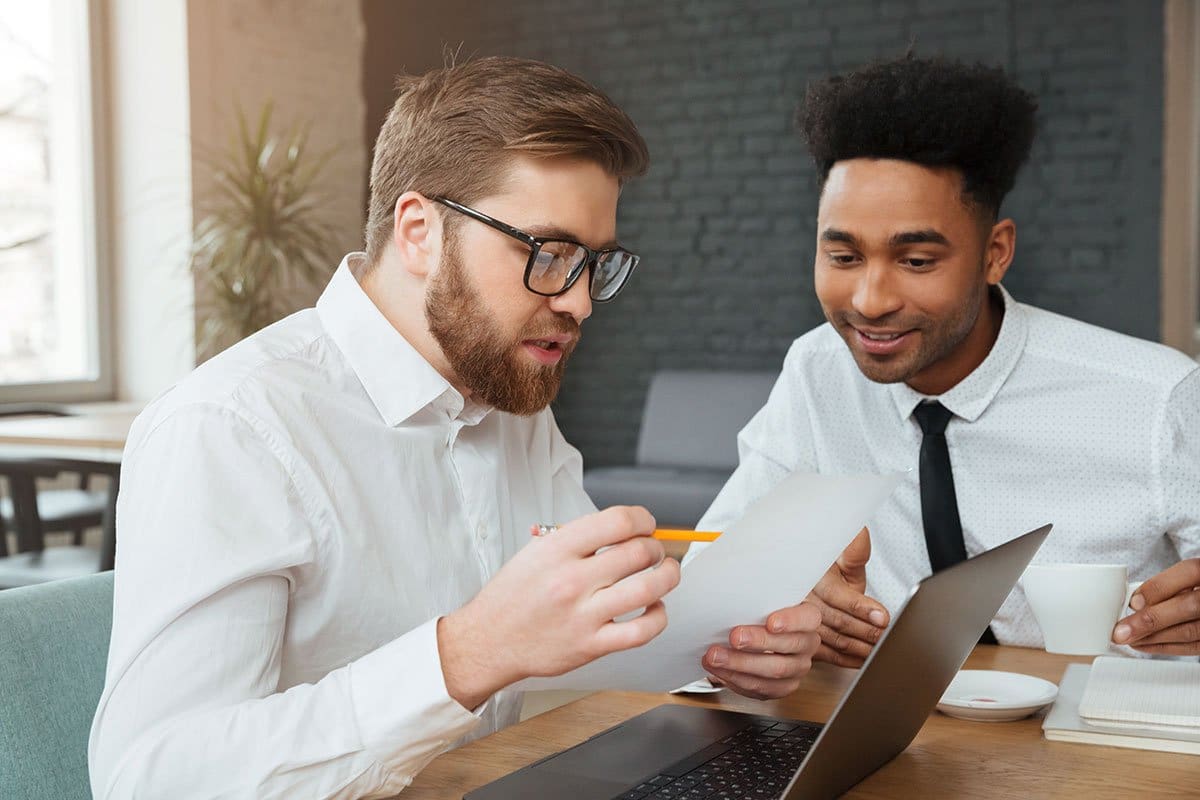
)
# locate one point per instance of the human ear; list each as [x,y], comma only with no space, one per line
[417,233]
[999,250]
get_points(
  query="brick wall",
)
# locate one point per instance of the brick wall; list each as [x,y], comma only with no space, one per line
[725,219]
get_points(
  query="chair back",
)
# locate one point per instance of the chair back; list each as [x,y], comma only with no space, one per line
[692,418]
[53,651]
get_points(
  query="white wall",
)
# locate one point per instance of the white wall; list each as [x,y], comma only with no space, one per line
[151,203]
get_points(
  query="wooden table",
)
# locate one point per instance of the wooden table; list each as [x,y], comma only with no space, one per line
[98,435]
[949,757]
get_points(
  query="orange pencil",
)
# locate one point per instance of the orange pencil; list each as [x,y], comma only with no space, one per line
[666,534]
[675,535]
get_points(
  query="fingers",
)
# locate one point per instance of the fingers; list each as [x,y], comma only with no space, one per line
[586,535]
[636,591]
[800,617]
[858,649]
[1168,583]
[1191,649]
[757,687]
[841,631]
[1181,608]
[614,636]
[837,658]
[759,675]
[836,595]
[756,639]
[624,559]
[857,553]
[1186,633]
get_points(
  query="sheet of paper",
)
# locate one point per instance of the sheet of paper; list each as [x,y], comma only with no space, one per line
[769,559]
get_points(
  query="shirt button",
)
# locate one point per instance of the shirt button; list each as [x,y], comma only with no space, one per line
[482,530]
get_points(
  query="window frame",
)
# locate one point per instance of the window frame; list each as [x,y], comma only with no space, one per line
[1180,287]
[96,224]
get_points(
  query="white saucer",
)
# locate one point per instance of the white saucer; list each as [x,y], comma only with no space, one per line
[702,686]
[991,696]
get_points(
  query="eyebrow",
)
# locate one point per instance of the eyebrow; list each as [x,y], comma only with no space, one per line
[924,236]
[835,235]
[553,232]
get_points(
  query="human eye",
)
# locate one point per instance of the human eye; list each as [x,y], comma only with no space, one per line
[842,259]
[918,263]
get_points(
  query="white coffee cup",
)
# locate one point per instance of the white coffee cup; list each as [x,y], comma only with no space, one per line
[1077,605]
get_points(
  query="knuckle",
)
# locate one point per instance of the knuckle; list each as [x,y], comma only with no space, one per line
[1191,603]
[563,590]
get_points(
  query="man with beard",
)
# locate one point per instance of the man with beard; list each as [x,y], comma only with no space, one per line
[325,575]
[1004,416]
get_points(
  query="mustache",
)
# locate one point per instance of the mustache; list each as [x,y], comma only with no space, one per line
[895,321]
[561,324]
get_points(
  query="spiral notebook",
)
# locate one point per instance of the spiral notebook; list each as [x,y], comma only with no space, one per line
[1138,703]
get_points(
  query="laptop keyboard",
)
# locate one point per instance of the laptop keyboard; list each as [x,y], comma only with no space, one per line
[755,762]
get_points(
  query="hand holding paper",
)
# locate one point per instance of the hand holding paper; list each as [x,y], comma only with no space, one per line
[768,661]
[772,556]
[851,622]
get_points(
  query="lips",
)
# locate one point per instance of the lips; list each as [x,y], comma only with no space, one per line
[882,342]
[548,349]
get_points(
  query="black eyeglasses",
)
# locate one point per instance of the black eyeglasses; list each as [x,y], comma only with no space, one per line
[555,264]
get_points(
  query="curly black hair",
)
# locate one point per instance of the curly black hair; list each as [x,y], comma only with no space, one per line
[935,112]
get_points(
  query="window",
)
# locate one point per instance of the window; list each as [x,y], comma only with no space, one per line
[1181,178]
[53,322]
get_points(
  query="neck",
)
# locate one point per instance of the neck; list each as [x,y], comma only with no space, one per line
[400,297]
[943,375]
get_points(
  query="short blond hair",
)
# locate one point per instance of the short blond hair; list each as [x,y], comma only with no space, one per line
[453,131]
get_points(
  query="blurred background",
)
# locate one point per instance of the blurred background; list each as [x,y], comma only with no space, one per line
[135,134]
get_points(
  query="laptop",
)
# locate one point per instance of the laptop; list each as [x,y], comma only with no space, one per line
[680,751]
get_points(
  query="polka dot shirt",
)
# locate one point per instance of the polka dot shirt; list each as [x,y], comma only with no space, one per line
[1063,422]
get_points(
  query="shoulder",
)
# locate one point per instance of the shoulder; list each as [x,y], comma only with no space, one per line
[255,381]
[1077,348]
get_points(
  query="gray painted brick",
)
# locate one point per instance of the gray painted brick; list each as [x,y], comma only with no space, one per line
[725,218]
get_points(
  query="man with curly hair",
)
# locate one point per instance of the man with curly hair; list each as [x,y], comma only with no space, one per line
[1005,416]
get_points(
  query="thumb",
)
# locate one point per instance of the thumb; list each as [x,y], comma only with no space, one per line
[857,553]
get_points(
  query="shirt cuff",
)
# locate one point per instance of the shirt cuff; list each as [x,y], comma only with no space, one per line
[405,714]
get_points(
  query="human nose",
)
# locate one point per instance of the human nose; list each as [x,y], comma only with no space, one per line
[576,301]
[874,293]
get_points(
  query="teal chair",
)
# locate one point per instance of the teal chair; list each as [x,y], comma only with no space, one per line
[53,649]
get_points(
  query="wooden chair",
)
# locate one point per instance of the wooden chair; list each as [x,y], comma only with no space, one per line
[75,509]
[34,562]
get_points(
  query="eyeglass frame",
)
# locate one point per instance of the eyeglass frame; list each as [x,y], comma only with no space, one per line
[535,244]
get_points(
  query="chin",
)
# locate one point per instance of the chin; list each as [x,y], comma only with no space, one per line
[882,372]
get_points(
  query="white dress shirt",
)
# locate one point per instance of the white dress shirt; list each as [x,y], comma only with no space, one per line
[293,519]
[1063,422]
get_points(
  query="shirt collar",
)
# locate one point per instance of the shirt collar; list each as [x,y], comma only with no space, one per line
[398,379]
[970,397]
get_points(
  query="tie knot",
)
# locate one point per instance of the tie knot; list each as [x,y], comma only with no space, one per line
[932,417]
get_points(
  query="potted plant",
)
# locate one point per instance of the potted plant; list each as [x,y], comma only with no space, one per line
[261,237]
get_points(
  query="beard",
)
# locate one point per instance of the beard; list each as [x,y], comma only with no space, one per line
[939,338]
[487,361]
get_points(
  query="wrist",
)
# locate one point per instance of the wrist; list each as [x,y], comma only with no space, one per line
[470,676]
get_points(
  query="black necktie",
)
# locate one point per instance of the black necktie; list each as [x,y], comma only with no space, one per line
[939,504]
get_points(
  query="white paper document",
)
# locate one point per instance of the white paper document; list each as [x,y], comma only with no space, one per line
[768,560]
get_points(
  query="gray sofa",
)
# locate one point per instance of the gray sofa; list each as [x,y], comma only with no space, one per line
[687,446]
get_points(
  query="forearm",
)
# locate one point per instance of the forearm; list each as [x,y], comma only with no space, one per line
[362,731]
